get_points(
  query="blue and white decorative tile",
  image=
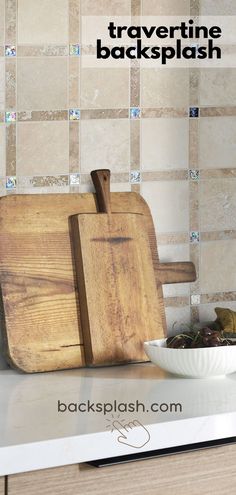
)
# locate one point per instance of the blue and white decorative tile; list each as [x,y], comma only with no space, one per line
[10,117]
[135,177]
[10,50]
[10,183]
[193,112]
[194,174]
[135,113]
[195,299]
[194,236]
[75,50]
[74,114]
[74,179]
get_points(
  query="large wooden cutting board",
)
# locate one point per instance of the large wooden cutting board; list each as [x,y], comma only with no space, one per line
[38,290]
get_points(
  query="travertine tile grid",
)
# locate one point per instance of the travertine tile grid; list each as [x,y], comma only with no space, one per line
[193,202]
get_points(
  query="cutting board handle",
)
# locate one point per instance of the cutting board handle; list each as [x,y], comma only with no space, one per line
[101,182]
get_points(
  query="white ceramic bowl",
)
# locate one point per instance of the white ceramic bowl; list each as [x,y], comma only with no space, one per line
[194,363]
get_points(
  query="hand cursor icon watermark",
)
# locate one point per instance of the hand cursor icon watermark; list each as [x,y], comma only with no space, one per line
[133,434]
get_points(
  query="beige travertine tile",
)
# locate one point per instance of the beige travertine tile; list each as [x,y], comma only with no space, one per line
[207,311]
[11,149]
[10,77]
[134,85]
[155,113]
[218,7]
[105,7]
[42,83]
[2,18]
[169,204]
[135,144]
[136,7]
[74,83]
[2,83]
[217,269]
[218,204]
[43,148]
[107,88]
[176,317]
[10,21]
[105,144]
[166,7]
[218,235]
[164,143]
[169,253]
[164,88]
[112,113]
[43,21]
[37,115]
[2,151]
[218,296]
[74,21]
[42,50]
[74,164]
[217,87]
[217,142]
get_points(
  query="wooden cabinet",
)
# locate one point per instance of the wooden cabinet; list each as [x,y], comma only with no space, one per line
[2,486]
[196,473]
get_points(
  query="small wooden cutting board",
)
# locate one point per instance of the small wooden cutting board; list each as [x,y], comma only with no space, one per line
[119,306]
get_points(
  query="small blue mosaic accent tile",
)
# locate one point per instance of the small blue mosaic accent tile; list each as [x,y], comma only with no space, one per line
[194,174]
[75,50]
[135,177]
[194,112]
[135,113]
[74,179]
[10,183]
[10,51]
[195,299]
[10,117]
[194,236]
[74,114]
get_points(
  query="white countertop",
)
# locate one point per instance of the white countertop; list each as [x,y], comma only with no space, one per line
[34,435]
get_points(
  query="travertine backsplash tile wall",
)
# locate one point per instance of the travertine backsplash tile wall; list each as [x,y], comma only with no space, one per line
[167,133]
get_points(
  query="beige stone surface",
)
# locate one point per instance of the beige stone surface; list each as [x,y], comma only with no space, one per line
[176,317]
[2,83]
[218,204]
[168,201]
[2,151]
[2,19]
[43,21]
[217,87]
[165,143]
[217,7]
[106,7]
[164,88]
[217,268]
[42,148]
[166,7]
[105,144]
[42,83]
[104,88]
[217,142]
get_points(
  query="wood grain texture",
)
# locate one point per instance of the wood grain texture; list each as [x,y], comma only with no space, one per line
[2,486]
[176,272]
[38,289]
[119,306]
[205,472]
